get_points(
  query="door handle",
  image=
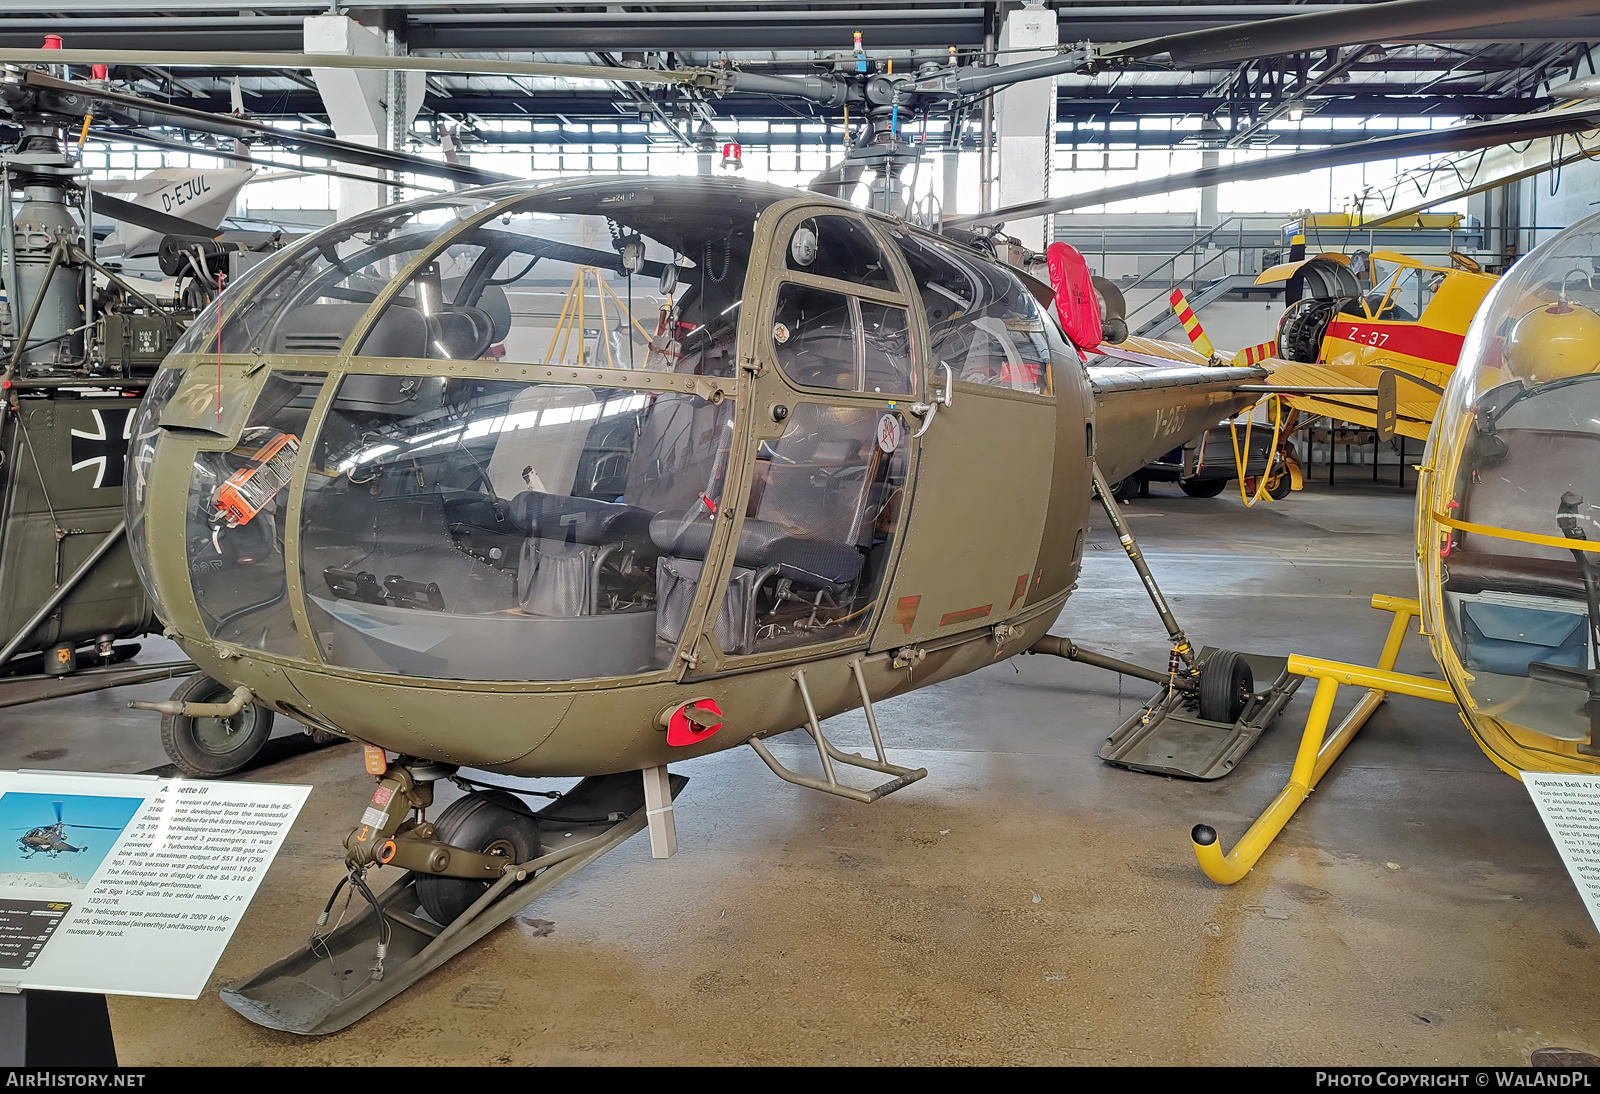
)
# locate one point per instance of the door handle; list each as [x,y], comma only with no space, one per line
[941,397]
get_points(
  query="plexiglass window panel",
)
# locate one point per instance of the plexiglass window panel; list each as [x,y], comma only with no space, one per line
[428,318]
[234,526]
[814,548]
[814,335]
[310,301]
[839,247]
[886,349]
[600,279]
[828,339]
[201,335]
[983,323]
[489,530]
[143,436]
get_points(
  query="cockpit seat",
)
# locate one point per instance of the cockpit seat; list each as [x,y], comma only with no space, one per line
[321,329]
[569,540]
[818,563]
[1514,603]
[766,550]
[1523,491]
[582,520]
[1473,571]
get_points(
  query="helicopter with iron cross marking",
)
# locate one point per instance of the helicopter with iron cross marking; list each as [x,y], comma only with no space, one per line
[588,478]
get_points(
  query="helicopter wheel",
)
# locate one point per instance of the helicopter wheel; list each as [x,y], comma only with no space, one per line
[492,822]
[1203,488]
[1281,486]
[206,747]
[1125,489]
[1226,684]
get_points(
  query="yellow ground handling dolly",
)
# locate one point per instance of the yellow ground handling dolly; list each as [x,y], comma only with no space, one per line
[1318,748]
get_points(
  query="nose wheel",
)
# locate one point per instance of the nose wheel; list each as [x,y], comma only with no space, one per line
[491,822]
[209,747]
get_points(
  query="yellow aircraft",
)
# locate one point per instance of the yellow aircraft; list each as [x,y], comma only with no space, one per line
[1335,344]
[1339,335]
[1508,526]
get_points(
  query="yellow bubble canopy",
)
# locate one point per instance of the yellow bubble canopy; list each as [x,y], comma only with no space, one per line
[1508,514]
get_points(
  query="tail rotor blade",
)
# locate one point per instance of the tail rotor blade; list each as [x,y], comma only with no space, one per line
[153,219]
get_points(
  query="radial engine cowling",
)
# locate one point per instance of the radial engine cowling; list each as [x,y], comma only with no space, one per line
[1303,326]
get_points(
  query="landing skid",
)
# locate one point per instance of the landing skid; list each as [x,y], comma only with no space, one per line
[325,986]
[1164,739]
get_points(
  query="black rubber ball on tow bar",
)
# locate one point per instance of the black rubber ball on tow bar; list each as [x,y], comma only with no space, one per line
[1204,835]
[1226,684]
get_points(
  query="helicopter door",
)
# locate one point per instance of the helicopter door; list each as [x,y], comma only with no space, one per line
[984,462]
[829,451]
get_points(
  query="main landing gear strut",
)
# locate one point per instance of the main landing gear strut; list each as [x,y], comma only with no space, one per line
[485,858]
[1207,714]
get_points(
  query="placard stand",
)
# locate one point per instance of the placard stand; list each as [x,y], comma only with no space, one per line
[55,1029]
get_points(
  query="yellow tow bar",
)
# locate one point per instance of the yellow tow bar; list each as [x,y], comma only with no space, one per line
[1317,751]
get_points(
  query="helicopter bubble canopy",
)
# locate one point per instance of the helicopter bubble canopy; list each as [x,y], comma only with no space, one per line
[405,494]
[1510,518]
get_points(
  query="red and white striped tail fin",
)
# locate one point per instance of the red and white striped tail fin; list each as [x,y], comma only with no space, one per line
[1191,325]
[1254,355]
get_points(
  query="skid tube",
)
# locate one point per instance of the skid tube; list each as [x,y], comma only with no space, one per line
[329,983]
[1318,749]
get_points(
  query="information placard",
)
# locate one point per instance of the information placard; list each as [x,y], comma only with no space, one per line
[129,884]
[1569,805]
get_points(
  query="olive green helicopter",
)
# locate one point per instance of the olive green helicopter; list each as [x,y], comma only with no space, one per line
[590,478]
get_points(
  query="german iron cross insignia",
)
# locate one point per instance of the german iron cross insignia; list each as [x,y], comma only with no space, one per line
[106,449]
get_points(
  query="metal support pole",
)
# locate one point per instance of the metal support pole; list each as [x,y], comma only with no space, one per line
[8,247]
[986,147]
[1066,647]
[866,708]
[88,250]
[1180,641]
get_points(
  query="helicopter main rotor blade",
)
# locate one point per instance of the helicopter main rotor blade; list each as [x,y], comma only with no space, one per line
[138,110]
[466,66]
[1460,139]
[1399,19]
[155,221]
[58,811]
[100,827]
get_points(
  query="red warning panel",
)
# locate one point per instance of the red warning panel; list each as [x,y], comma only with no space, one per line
[684,730]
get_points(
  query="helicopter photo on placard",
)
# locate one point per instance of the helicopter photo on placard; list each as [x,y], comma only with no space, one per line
[58,840]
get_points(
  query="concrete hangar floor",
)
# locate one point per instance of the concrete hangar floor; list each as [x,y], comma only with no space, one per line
[1025,903]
